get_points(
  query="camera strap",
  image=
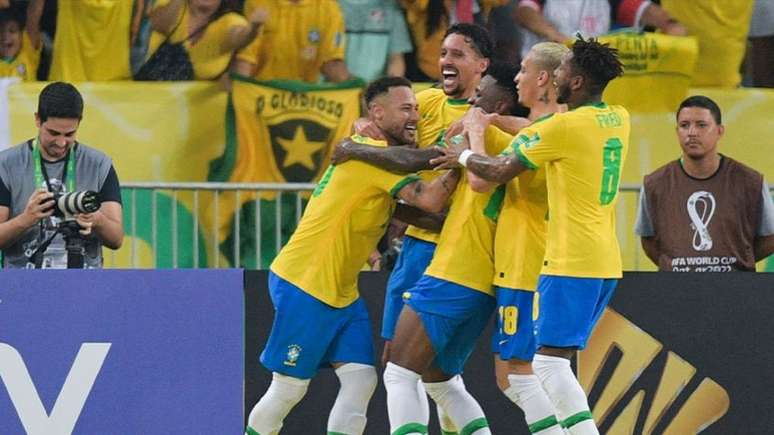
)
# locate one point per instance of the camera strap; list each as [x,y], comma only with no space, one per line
[37,164]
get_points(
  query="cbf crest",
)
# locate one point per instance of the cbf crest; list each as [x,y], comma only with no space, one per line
[294,351]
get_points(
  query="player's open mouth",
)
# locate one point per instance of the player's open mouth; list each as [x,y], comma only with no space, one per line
[411,128]
[449,76]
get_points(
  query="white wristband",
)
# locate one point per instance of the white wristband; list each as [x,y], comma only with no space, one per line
[464,156]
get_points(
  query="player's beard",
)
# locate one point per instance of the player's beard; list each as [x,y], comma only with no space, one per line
[563,94]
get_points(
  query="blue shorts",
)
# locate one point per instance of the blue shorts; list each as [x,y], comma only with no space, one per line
[412,261]
[308,334]
[570,308]
[514,336]
[453,316]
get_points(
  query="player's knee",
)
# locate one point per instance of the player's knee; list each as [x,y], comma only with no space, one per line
[287,389]
[357,380]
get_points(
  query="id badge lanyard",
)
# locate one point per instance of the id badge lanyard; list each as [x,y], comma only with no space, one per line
[37,164]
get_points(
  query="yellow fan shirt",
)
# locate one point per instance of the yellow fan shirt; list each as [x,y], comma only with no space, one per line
[298,38]
[465,252]
[436,113]
[721,27]
[520,237]
[92,40]
[208,53]
[583,152]
[25,64]
[344,220]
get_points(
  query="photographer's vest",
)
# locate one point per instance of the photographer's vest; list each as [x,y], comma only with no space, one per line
[17,171]
[705,225]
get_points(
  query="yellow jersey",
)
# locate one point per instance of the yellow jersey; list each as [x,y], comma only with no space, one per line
[298,38]
[436,113]
[465,252]
[208,54]
[721,27]
[520,237]
[92,40]
[25,64]
[583,152]
[344,220]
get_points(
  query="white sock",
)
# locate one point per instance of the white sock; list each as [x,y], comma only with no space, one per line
[404,401]
[358,382]
[283,394]
[447,425]
[528,394]
[568,397]
[460,406]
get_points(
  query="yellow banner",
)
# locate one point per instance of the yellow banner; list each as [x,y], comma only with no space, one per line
[277,131]
[657,70]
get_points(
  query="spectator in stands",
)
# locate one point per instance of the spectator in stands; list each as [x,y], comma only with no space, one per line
[211,31]
[19,48]
[93,40]
[54,162]
[762,44]
[301,40]
[705,212]
[377,38]
[505,33]
[428,21]
[721,26]
[559,20]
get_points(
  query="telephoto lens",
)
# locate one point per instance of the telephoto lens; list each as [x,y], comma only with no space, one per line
[72,203]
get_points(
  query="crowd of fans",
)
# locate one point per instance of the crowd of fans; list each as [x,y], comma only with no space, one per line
[313,40]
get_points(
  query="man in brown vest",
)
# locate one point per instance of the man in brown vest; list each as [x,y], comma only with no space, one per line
[705,212]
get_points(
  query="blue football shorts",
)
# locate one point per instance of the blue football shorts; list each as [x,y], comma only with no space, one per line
[570,308]
[308,334]
[454,316]
[514,335]
[412,261]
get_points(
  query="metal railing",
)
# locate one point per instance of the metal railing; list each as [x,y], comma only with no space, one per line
[208,205]
[217,212]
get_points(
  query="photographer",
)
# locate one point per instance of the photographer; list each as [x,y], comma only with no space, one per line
[37,228]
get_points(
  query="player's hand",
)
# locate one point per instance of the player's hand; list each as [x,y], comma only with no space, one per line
[342,152]
[477,119]
[366,127]
[259,16]
[86,222]
[454,129]
[375,260]
[447,160]
[39,206]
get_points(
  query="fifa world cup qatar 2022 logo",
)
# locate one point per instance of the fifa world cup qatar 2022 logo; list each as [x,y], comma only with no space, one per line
[701,207]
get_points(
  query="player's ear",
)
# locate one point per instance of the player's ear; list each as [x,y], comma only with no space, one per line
[483,65]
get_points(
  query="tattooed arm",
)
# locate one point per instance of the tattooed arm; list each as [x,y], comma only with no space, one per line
[433,196]
[422,219]
[392,158]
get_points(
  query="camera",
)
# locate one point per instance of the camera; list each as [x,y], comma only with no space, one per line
[72,203]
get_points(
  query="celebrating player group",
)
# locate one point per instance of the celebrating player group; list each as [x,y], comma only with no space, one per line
[512,215]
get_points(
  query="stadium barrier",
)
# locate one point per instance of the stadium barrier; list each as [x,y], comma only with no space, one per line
[177,225]
[674,354]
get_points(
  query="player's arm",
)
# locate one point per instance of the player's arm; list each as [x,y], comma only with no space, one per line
[499,170]
[393,158]
[509,124]
[433,196]
[419,218]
